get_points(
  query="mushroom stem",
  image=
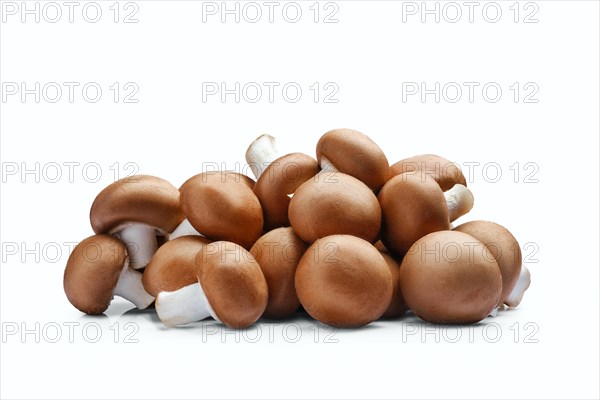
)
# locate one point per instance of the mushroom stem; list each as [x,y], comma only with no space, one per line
[459,200]
[130,287]
[184,306]
[326,165]
[515,297]
[261,153]
[141,243]
[184,229]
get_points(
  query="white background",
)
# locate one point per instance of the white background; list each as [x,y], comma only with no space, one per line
[547,348]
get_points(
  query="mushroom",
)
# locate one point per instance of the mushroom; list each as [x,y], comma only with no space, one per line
[397,306]
[353,153]
[277,178]
[278,253]
[444,172]
[221,206]
[450,277]
[173,265]
[261,153]
[184,229]
[231,288]
[97,270]
[413,205]
[344,281]
[137,209]
[335,203]
[503,246]
[515,297]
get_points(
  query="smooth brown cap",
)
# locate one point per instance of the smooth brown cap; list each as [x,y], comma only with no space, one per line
[278,253]
[280,179]
[92,273]
[222,206]
[412,206]
[233,283]
[503,246]
[450,277]
[335,203]
[142,199]
[173,266]
[354,153]
[444,172]
[344,281]
[397,306]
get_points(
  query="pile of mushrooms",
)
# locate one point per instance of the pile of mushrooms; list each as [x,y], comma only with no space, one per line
[345,236]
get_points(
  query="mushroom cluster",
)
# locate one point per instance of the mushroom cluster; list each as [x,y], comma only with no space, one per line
[345,236]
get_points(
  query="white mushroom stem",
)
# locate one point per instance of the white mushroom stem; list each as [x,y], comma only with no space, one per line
[130,287]
[326,165]
[184,229]
[459,200]
[494,312]
[515,297]
[261,153]
[141,243]
[184,306]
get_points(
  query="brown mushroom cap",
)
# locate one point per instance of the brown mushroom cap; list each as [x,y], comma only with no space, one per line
[173,265]
[444,172]
[344,281]
[93,271]
[141,199]
[397,306]
[281,178]
[335,203]
[503,246]
[222,206]
[278,253]
[233,283]
[450,277]
[412,206]
[355,154]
